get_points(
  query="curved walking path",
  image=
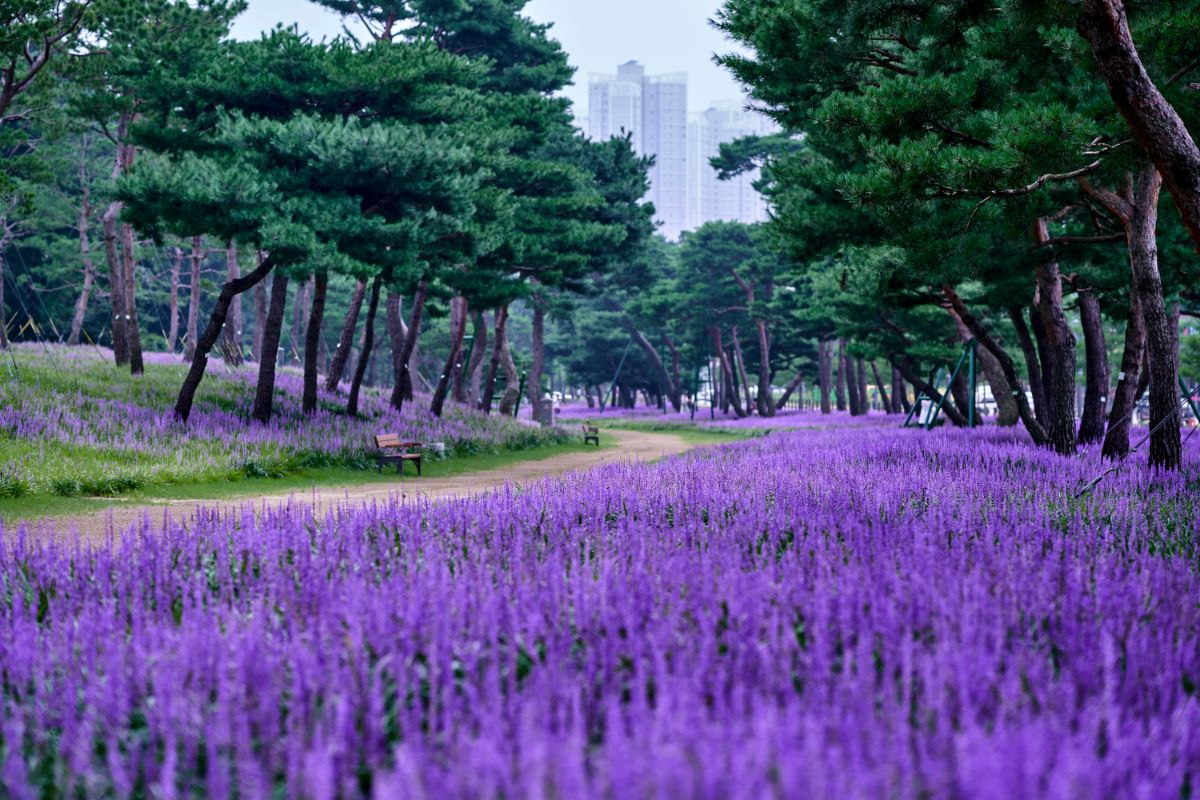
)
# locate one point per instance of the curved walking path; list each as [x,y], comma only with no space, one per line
[632,446]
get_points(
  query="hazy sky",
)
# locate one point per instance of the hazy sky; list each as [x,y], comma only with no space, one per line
[665,35]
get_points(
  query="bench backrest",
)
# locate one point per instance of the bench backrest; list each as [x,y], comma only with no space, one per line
[590,429]
[387,441]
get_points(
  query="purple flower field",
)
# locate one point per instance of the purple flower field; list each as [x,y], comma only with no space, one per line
[821,613]
[70,424]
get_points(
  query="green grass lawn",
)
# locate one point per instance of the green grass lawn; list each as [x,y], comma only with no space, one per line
[688,432]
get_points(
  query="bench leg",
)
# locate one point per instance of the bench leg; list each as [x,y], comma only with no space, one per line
[418,463]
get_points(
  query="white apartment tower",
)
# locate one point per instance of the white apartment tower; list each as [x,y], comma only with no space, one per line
[712,199]
[654,110]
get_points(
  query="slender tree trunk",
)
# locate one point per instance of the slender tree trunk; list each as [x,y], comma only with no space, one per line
[129,277]
[728,395]
[85,254]
[1095,398]
[1060,343]
[656,363]
[458,329]
[675,388]
[233,331]
[862,387]
[193,320]
[299,314]
[766,402]
[900,403]
[904,364]
[1033,364]
[116,272]
[796,383]
[264,392]
[1153,121]
[533,382]
[512,382]
[824,346]
[1036,431]
[840,386]
[260,315]
[489,383]
[403,390]
[1006,405]
[740,363]
[346,340]
[1120,415]
[479,346]
[312,341]
[1038,326]
[854,400]
[173,299]
[368,343]
[961,394]
[883,395]
[397,331]
[204,344]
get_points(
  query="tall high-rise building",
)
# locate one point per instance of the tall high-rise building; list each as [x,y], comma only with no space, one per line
[712,199]
[654,110]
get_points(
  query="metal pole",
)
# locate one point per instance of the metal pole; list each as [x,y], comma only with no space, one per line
[620,365]
[950,383]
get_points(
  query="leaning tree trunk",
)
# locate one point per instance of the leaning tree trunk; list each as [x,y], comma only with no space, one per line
[1060,343]
[1036,431]
[675,390]
[656,364]
[85,254]
[1152,120]
[795,383]
[193,320]
[1120,415]
[458,329]
[346,340]
[403,390]
[883,395]
[312,341]
[233,331]
[1007,414]
[116,272]
[900,403]
[489,383]
[740,363]
[826,374]
[840,385]
[512,387]
[728,395]
[1033,364]
[132,325]
[479,348]
[204,344]
[368,343]
[264,392]
[1095,397]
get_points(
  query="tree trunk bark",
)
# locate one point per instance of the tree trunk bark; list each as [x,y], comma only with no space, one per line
[729,396]
[854,400]
[173,299]
[904,364]
[840,385]
[346,341]
[264,392]
[1033,364]
[1153,121]
[675,392]
[368,343]
[795,383]
[458,329]
[740,363]
[396,331]
[312,341]
[132,326]
[512,382]
[1060,342]
[884,400]
[1006,405]
[233,331]
[479,347]
[900,403]
[120,341]
[863,397]
[656,363]
[403,389]
[85,254]
[824,346]
[1120,415]
[193,320]
[299,312]
[1036,431]
[260,315]
[489,383]
[1095,397]
[204,344]
[533,383]
[766,402]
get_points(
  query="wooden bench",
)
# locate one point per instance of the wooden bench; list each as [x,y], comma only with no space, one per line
[394,451]
[591,434]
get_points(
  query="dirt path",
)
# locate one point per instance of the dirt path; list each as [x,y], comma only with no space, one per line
[632,446]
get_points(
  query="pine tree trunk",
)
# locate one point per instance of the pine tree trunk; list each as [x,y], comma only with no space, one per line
[204,344]
[260,318]
[132,326]
[193,320]
[796,383]
[403,391]
[1120,415]
[264,392]
[729,397]
[675,389]
[656,362]
[116,272]
[533,383]
[739,362]
[299,314]
[489,383]
[346,340]
[364,358]
[458,329]
[1044,354]
[233,330]
[397,331]
[854,401]
[312,341]
[883,395]
[512,381]
[904,364]
[900,402]
[1007,414]
[1033,364]
[173,300]
[766,401]
[479,348]
[863,397]
[85,254]
[1060,349]
[841,375]
[1095,397]
[826,374]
